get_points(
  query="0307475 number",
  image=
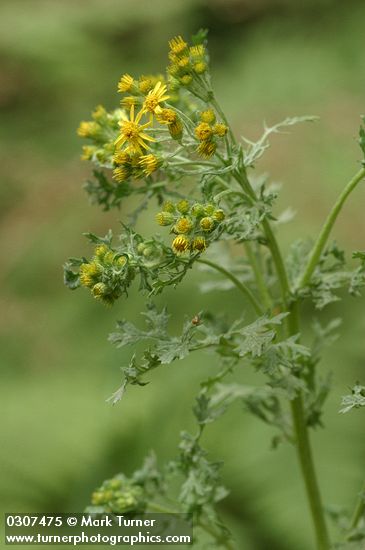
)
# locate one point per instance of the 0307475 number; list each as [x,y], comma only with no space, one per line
[30,521]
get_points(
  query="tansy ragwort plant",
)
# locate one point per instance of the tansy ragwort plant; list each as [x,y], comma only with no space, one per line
[170,141]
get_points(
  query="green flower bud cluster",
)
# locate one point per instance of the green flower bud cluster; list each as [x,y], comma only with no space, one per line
[207,131]
[107,275]
[119,495]
[151,253]
[192,223]
[186,62]
[101,131]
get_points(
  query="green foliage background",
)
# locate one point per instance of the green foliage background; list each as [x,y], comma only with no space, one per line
[270,59]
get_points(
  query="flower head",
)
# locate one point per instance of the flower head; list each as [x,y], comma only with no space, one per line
[88,129]
[203,131]
[199,244]
[207,116]
[178,46]
[207,149]
[183,225]
[126,83]
[149,164]
[155,97]
[220,129]
[180,244]
[132,133]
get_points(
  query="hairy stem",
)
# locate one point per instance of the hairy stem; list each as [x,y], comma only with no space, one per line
[327,227]
[242,287]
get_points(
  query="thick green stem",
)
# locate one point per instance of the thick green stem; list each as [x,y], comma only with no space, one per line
[327,227]
[243,288]
[297,407]
[307,466]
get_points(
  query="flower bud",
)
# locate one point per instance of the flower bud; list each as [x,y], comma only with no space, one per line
[207,116]
[165,218]
[198,210]
[203,131]
[207,224]
[219,215]
[183,225]
[180,244]
[183,206]
[199,244]
[168,206]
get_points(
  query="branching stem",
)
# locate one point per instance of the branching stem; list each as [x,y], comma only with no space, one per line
[327,227]
[242,287]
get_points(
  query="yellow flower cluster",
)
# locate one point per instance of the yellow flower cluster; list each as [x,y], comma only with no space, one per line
[206,132]
[148,93]
[192,224]
[119,495]
[186,63]
[98,131]
[107,275]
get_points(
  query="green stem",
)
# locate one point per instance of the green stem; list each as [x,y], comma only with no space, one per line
[297,407]
[359,510]
[243,288]
[260,281]
[327,227]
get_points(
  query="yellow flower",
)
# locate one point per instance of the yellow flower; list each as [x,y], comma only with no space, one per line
[199,244]
[87,152]
[183,225]
[121,157]
[99,290]
[183,62]
[197,51]
[168,206]
[219,215]
[203,131]
[220,129]
[155,97]
[87,129]
[183,206]
[99,112]
[207,224]
[206,149]
[120,174]
[200,67]
[129,101]
[186,79]
[176,130]
[180,244]
[126,83]
[177,45]
[207,116]
[89,274]
[164,218]
[166,116]
[145,84]
[101,250]
[132,134]
[169,117]
[149,164]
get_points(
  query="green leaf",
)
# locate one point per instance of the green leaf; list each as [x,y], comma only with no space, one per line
[355,400]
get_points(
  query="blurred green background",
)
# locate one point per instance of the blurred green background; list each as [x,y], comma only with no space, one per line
[58,59]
